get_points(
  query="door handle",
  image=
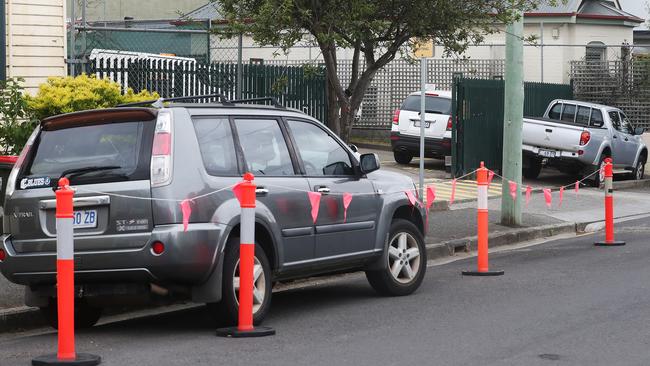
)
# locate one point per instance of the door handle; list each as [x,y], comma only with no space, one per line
[626,139]
[549,130]
[261,191]
[615,136]
[323,190]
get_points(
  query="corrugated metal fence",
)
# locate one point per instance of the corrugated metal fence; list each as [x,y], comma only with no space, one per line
[478,113]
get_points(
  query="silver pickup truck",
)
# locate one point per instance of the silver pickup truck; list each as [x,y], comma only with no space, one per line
[576,137]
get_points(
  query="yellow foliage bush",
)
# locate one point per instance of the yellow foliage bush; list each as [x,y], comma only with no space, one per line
[71,94]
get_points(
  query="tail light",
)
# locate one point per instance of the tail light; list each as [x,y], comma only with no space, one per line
[3,255]
[449,124]
[11,180]
[585,136]
[161,152]
[157,248]
[396,117]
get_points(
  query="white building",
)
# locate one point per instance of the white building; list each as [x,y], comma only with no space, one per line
[35,45]
[570,31]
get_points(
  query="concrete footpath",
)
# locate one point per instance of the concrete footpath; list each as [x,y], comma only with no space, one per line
[452,231]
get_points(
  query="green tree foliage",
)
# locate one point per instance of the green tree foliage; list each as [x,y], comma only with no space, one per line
[18,121]
[375,29]
[70,94]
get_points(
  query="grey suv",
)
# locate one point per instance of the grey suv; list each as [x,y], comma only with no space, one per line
[131,167]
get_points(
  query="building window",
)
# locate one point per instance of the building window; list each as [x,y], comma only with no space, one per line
[596,52]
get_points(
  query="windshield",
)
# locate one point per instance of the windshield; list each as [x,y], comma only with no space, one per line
[431,104]
[125,146]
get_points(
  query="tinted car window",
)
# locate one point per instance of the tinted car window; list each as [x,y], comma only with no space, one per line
[596,118]
[555,112]
[568,113]
[582,118]
[216,145]
[264,147]
[126,145]
[616,121]
[431,104]
[626,125]
[320,153]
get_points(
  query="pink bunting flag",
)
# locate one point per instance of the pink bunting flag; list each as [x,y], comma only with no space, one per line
[548,197]
[411,197]
[237,191]
[559,204]
[577,187]
[529,191]
[513,190]
[431,196]
[186,208]
[453,191]
[314,199]
[347,198]
[490,176]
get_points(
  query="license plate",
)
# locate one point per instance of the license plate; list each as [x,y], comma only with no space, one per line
[84,219]
[417,124]
[547,153]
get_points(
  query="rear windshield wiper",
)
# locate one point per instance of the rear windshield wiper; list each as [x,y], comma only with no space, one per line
[79,171]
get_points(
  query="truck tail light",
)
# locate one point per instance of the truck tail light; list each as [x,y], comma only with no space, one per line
[161,152]
[585,136]
[449,126]
[396,117]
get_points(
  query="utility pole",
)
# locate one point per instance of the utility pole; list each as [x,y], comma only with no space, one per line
[513,121]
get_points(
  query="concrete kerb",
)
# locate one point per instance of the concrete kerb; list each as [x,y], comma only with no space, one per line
[451,247]
[20,318]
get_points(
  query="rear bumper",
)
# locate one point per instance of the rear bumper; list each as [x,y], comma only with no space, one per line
[189,258]
[561,157]
[433,148]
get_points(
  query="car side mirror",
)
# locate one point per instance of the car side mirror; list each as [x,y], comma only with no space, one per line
[369,163]
[354,148]
[639,130]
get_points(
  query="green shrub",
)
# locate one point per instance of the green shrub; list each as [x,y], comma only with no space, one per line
[71,94]
[18,121]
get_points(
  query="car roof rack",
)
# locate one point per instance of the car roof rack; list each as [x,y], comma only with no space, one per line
[273,100]
[158,103]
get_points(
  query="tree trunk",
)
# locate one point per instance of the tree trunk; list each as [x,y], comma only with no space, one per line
[332,110]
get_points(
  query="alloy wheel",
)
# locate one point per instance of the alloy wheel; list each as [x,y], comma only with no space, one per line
[259,284]
[403,257]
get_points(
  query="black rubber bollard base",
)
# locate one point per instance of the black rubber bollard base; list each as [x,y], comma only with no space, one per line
[82,359]
[483,273]
[234,332]
[615,243]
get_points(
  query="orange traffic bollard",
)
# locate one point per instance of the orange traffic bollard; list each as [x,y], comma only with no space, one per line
[483,267]
[245,326]
[66,354]
[609,207]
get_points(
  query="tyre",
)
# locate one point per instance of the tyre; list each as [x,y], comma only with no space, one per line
[226,311]
[639,169]
[406,261]
[85,315]
[600,176]
[533,169]
[402,157]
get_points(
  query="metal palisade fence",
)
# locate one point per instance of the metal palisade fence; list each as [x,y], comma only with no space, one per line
[298,87]
[392,84]
[624,84]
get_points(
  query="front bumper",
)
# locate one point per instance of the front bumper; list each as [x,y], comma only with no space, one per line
[189,258]
[433,147]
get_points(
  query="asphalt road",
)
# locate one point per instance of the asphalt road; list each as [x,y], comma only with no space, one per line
[564,302]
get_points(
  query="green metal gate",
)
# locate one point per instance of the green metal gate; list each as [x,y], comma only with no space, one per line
[477,110]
